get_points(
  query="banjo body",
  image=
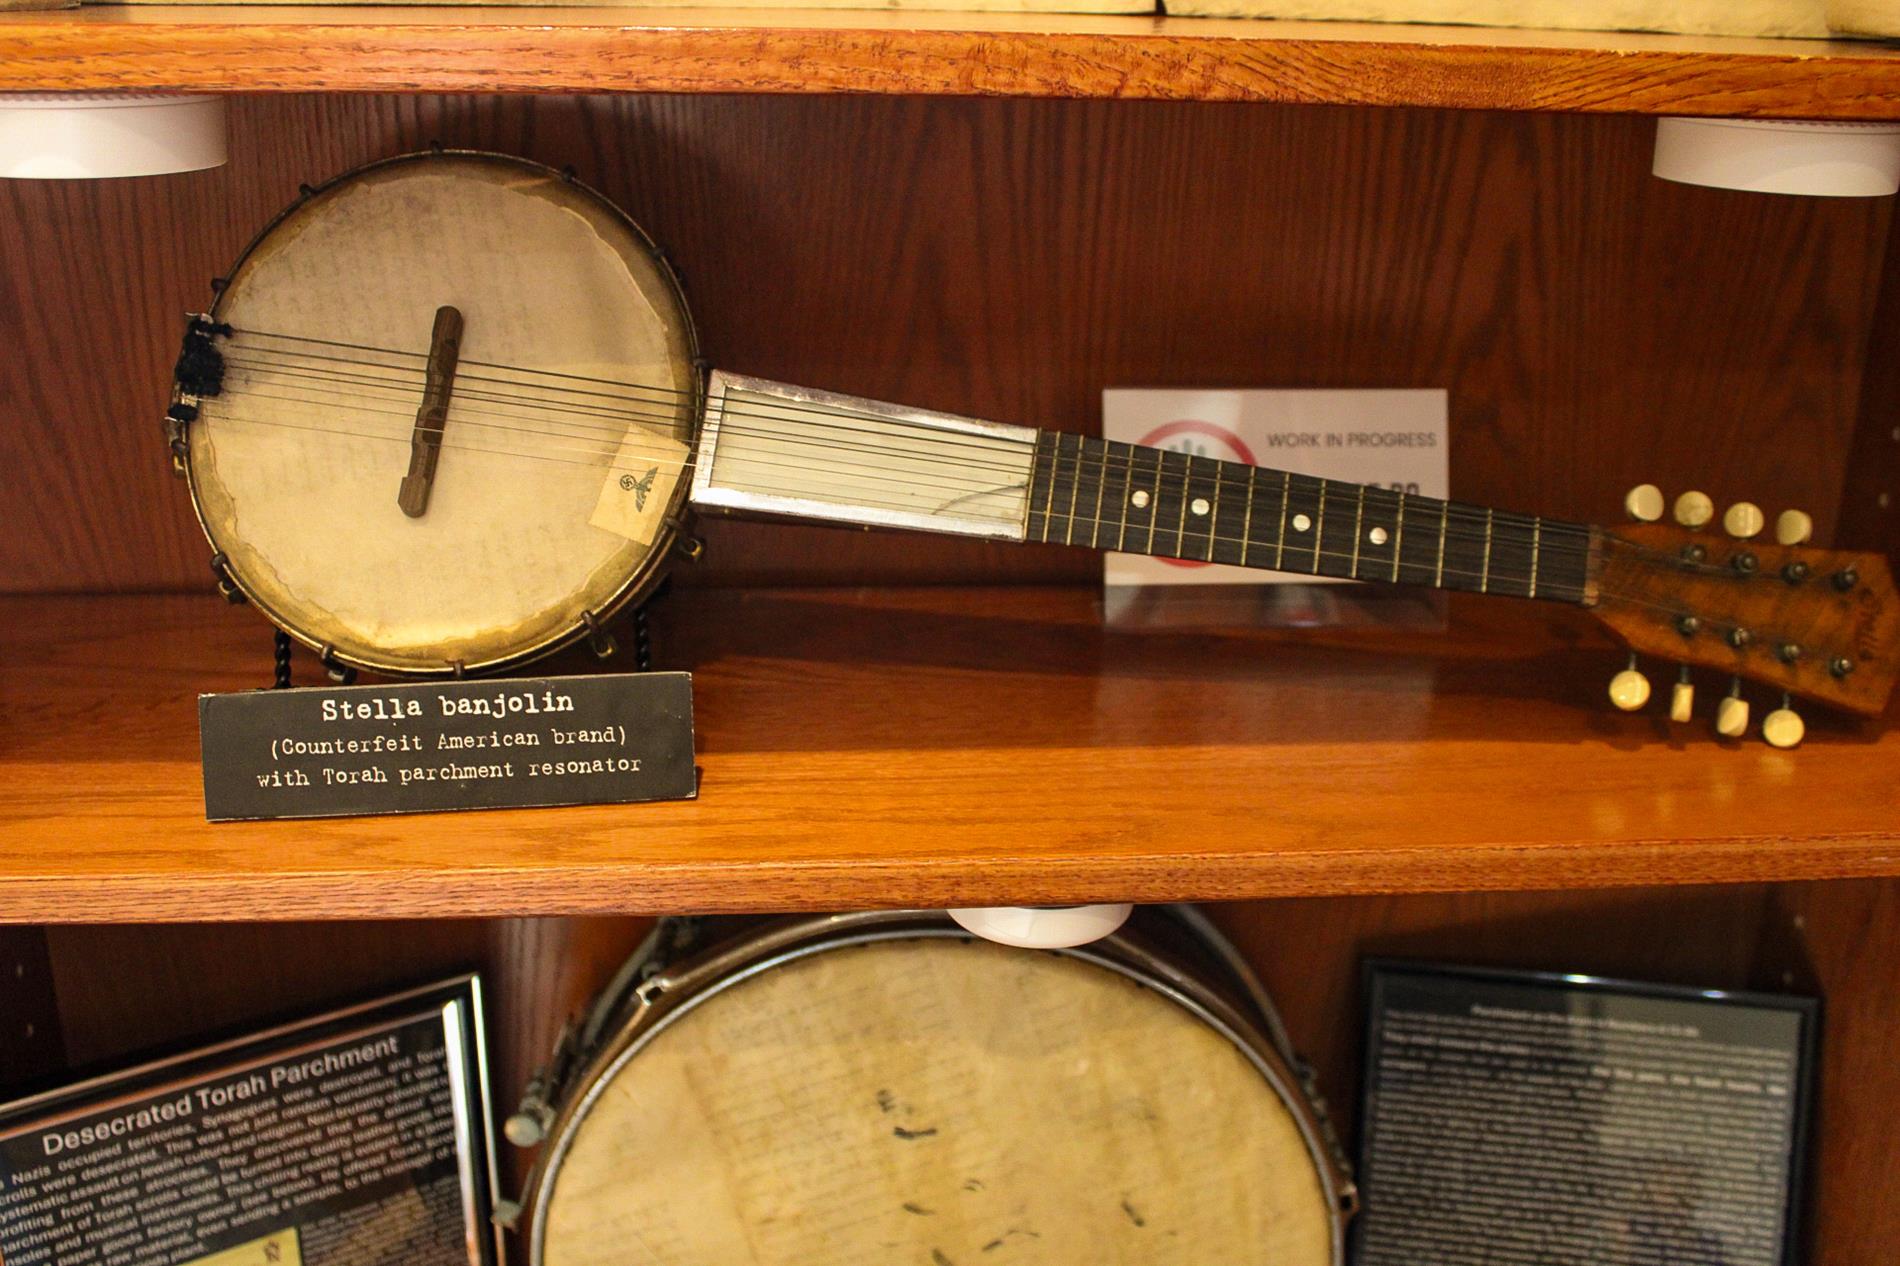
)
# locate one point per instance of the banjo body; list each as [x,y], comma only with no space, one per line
[447,413]
[297,462]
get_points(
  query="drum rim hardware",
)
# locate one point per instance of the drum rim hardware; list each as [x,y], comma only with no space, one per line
[675,970]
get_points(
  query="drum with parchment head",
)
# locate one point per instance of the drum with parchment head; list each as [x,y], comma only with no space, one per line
[886,1088]
[346,499]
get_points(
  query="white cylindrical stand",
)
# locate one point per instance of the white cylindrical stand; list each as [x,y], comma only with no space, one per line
[1827,160]
[85,136]
[1057,927]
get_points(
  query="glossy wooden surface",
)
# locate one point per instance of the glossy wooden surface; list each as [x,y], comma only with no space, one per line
[1595,327]
[266,48]
[944,746]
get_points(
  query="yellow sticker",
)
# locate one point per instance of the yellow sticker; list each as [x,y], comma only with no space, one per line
[640,484]
[279,1248]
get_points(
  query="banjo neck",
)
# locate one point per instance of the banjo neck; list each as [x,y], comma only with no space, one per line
[769,448]
[1139,500]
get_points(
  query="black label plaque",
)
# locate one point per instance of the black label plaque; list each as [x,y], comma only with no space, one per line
[355,1138]
[1574,1121]
[426,747]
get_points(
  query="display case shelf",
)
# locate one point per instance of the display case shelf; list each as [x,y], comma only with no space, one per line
[950,747]
[267,48]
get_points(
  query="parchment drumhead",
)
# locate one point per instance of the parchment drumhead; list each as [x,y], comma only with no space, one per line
[941,1102]
[295,466]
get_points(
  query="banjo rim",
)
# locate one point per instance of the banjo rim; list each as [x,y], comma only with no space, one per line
[650,1007]
[640,581]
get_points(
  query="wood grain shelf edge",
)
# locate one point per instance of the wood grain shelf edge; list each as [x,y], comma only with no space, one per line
[714,888]
[252,48]
[949,746]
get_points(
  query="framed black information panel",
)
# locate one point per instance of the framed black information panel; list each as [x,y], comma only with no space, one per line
[1515,1118]
[356,1138]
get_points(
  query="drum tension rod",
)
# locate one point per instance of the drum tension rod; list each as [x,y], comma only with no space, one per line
[425,445]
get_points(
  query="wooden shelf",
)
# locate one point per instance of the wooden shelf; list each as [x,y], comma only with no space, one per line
[263,48]
[942,747]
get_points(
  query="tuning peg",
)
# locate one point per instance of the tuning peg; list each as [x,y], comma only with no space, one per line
[1629,689]
[1742,520]
[1783,727]
[1644,503]
[1792,527]
[1731,715]
[1682,697]
[1693,509]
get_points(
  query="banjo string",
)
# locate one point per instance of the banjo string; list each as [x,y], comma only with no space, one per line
[1563,536]
[677,395]
[588,442]
[1557,531]
[1560,537]
[1495,575]
[821,411]
[596,423]
[1466,532]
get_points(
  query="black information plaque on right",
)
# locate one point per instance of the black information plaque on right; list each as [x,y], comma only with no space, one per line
[1514,1118]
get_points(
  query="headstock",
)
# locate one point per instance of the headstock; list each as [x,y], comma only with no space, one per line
[1824,624]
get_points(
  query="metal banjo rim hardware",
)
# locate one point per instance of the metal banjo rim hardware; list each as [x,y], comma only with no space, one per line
[339,672]
[599,640]
[228,587]
[647,996]
[640,582]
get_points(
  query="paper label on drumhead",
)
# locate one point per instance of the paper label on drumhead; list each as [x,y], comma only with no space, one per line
[639,486]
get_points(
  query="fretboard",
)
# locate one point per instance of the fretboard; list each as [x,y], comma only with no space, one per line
[1125,497]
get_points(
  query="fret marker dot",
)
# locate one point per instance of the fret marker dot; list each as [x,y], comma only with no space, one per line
[1301,523]
[1199,506]
[1376,536]
[1140,498]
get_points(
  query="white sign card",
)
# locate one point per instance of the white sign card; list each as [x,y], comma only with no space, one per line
[1390,438]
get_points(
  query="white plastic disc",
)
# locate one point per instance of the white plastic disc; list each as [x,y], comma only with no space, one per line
[1057,928]
[1827,160]
[88,135]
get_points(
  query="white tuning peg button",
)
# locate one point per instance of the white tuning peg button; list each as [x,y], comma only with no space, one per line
[1693,509]
[1743,520]
[1682,699]
[1644,503]
[1731,715]
[1793,527]
[1783,727]
[1629,690]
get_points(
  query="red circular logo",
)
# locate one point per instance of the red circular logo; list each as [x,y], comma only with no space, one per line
[1200,439]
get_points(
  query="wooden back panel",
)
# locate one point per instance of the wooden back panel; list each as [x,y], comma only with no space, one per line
[1596,327]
